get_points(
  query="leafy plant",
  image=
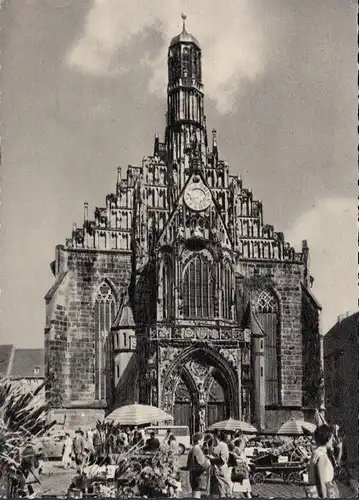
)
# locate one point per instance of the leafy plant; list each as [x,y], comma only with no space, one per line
[23,418]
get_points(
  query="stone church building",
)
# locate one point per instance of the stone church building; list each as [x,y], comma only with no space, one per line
[176,292]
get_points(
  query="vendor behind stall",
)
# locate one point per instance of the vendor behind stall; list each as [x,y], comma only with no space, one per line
[153,443]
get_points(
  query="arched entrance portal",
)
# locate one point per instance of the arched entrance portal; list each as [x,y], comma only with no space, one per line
[217,406]
[200,389]
[185,399]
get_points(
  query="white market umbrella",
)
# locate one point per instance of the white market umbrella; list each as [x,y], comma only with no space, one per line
[234,425]
[136,414]
[307,426]
[295,427]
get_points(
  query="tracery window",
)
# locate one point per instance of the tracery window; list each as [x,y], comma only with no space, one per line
[198,287]
[227,291]
[166,279]
[104,309]
[267,309]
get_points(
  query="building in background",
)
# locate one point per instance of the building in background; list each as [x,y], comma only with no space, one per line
[23,366]
[177,293]
[341,370]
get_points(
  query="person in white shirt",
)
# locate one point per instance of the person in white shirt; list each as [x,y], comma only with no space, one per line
[320,468]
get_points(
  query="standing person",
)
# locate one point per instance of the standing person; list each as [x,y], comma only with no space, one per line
[336,453]
[30,471]
[173,445]
[153,443]
[240,471]
[129,436]
[320,468]
[198,466]
[220,481]
[97,445]
[90,434]
[66,456]
[79,447]
[142,433]
[136,438]
[123,437]
[166,439]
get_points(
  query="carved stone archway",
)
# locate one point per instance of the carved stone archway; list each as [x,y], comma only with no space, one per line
[200,370]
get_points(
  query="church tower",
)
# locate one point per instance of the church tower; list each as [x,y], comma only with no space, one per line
[186,122]
[175,293]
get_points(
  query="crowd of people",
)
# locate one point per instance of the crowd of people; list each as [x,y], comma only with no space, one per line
[220,467]
[217,462]
[86,444]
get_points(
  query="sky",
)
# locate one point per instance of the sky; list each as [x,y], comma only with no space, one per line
[83,90]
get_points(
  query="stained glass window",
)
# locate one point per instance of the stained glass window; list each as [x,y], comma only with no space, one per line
[105,308]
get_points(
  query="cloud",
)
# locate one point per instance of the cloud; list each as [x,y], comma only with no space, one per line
[229,32]
[331,231]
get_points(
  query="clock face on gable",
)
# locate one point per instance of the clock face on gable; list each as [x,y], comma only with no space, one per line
[197,197]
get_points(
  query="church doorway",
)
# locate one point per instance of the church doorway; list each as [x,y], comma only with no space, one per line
[200,401]
[217,407]
[184,406]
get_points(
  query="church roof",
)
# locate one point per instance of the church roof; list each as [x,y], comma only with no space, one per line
[55,286]
[28,363]
[124,316]
[312,297]
[345,327]
[5,359]
[184,36]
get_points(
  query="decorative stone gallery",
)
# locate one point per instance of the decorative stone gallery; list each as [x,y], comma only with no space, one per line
[177,293]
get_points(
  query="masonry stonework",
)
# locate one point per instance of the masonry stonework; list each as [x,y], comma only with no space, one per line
[176,293]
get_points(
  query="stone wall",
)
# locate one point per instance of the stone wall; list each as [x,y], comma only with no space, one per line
[70,337]
[71,418]
[312,374]
[56,356]
[285,281]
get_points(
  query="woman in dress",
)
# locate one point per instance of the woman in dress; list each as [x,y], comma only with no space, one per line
[220,482]
[66,456]
[240,471]
[320,468]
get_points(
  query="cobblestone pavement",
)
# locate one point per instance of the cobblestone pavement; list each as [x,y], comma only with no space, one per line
[57,482]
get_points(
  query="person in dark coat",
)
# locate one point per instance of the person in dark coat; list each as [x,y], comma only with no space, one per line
[153,443]
[198,465]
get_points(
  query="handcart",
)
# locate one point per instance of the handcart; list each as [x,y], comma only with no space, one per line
[270,466]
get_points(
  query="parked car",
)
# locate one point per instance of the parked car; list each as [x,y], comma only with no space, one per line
[181,432]
[52,446]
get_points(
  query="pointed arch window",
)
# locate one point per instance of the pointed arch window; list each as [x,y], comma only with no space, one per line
[267,309]
[166,280]
[198,297]
[104,309]
[227,291]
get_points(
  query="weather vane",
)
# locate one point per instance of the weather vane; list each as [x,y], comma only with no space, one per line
[184,17]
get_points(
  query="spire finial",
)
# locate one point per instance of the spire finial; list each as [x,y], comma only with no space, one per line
[184,17]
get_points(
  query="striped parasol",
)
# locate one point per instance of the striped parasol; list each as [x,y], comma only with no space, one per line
[234,425]
[291,427]
[307,426]
[136,414]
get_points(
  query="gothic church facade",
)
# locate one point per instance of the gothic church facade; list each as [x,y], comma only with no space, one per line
[176,293]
